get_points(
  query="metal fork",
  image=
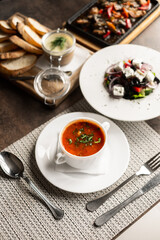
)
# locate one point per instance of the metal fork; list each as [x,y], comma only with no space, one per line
[146,169]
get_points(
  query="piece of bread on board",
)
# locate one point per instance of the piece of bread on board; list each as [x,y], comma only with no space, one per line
[36,26]
[20,27]
[14,20]
[7,46]
[18,66]
[4,36]
[25,45]
[29,35]
[5,27]
[12,55]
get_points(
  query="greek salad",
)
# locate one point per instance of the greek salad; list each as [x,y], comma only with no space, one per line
[130,79]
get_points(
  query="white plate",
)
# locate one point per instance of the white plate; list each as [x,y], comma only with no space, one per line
[92,78]
[80,182]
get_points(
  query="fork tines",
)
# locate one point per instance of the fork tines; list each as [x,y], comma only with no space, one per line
[154,162]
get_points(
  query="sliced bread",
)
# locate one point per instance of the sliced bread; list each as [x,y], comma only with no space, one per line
[12,55]
[36,26]
[5,27]
[7,46]
[4,36]
[25,45]
[29,35]
[20,27]
[18,66]
[14,20]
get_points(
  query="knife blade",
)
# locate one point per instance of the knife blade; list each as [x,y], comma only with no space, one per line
[21,78]
[151,184]
[148,186]
[32,77]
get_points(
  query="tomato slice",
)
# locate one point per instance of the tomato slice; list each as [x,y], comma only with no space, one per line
[128,23]
[137,89]
[127,64]
[107,34]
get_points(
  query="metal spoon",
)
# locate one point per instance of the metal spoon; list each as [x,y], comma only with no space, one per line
[14,168]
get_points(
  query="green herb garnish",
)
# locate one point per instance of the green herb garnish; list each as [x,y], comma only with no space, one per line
[75,131]
[148,91]
[98,141]
[84,138]
[107,83]
[58,42]
[70,140]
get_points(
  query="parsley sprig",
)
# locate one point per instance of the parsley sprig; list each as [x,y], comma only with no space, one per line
[58,42]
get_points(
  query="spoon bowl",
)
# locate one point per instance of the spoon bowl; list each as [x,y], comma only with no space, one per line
[13,167]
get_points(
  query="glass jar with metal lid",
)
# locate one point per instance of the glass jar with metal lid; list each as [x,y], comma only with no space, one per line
[51,84]
[59,46]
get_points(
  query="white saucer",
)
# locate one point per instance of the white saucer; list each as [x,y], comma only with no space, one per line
[119,155]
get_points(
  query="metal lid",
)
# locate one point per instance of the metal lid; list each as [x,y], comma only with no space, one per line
[51,84]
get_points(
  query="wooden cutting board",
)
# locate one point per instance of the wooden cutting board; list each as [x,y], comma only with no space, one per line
[27,85]
[82,43]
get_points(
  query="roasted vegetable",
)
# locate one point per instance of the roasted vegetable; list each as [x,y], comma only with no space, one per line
[110,19]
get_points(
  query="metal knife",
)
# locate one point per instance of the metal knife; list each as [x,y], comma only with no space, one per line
[21,78]
[32,77]
[148,186]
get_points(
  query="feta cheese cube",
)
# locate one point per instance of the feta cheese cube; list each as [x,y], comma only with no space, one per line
[137,63]
[139,74]
[119,66]
[128,72]
[150,76]
[118,90]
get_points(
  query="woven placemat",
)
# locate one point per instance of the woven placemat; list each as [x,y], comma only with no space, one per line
[24,216]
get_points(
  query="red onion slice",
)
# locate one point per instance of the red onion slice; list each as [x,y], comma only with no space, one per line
[153,86]
[110,87]
[146,67]
[110,70]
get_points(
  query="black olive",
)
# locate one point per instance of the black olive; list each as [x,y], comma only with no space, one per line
[110,77]
[135,82]
[134,68]
[157,80]
[144,82]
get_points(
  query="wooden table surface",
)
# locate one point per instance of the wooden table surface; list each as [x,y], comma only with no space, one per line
[19,112]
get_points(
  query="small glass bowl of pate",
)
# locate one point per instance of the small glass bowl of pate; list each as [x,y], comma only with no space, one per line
[59,46]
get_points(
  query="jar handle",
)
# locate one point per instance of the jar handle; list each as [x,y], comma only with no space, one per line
[51,103]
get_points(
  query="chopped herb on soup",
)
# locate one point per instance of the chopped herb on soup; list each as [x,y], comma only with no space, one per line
[83,138]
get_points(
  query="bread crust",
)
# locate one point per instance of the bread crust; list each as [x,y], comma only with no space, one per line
[16,72]
[20,27]
[4,26]
[8,47]
[36,26]
[29,35]
[14,20]
[25,45]
[4,36]
[12,55]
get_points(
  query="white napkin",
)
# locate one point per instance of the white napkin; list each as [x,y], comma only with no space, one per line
[99,167]
[80,56]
